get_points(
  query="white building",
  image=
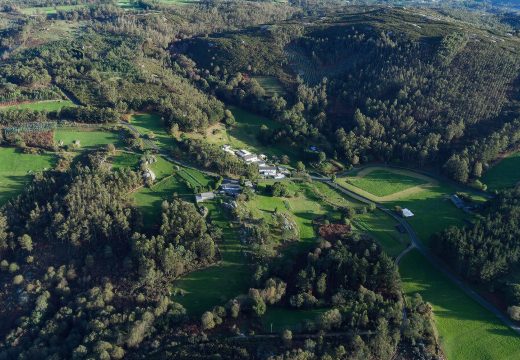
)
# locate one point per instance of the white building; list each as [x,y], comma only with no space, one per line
[268,170]
[406,213]
[204,196]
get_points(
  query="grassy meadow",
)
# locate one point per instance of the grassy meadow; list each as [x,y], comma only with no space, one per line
[147,123]
[243,135]
[467,331]
[88,137]
[47,105]
[384,182]
[505,174]
[16,169]
[201,290]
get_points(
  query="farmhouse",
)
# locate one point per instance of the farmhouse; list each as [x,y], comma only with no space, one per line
[149,174]
[251,158]
[406,213]
[267,170]
[231,189]
[457,201]
[204,196]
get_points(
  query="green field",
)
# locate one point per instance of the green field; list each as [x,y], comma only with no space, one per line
[203,289]
[243,135]
[149,200]
[505,174]
[48,105]
[147,123]
[15,169]
[88,137]
[125,160]
[383,229]
[385,182]
[271,85]
[195,177]
[467,330]
[433,210]
[278,319]
[49,10]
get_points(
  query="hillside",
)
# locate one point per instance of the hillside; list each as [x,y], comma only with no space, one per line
[385,85]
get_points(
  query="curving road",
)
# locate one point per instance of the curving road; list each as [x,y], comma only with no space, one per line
[417,244]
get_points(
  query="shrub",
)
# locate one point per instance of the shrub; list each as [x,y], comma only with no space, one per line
[18,279]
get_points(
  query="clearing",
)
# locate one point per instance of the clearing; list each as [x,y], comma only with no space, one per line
[467,330]
[147,124]
[89,137]
[244,135]
[47,105]
[200,290]
[381,184]
[505,174]
[16,169]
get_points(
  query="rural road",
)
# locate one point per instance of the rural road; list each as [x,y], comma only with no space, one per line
[417,244]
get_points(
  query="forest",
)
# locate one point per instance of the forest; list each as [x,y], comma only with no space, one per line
[90,270]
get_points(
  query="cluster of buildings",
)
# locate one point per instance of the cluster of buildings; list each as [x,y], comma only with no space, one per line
[265,170]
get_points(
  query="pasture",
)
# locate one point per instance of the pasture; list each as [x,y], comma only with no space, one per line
[278,319]
[47,105]
[271,85]
[200,290]
[48,10]
[146,124]
[88,137]
[381,184]
[244,135]
[16,169]
[467,331]
[505,174]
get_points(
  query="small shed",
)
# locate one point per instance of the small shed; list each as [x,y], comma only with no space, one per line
[406,213]
[204,196]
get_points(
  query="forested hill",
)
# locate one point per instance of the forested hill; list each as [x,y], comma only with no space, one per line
[384,84]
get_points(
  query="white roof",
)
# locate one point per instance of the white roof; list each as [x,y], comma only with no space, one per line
[204,196]
[407,213]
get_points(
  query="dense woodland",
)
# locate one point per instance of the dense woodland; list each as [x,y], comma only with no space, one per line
[488,252]
[82,275]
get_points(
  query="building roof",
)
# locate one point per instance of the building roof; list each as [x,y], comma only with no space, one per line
[407,213]
[204,196]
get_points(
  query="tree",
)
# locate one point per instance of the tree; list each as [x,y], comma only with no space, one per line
[287,337]
[300,166]
[514,312]
[322,156]
[25,242]
[457,168]
[208,320]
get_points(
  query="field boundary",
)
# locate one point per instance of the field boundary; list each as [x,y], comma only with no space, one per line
[431,182]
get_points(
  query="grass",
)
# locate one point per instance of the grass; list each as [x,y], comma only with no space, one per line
[88,137]
[125,160]
[195,177]
[384,182]
[48,10]
[278,319]
[467,330]
[15,169]
[243,135]
[271,85]
[383,229]
[433,210]
[203,289]
[149,200]
[146,123]
[48,105]
[505,174]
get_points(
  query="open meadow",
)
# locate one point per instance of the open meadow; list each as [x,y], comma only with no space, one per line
[505,174]
[244,135]
[467,330]
[16,169]
[200,290]
[87,137]
[47,105]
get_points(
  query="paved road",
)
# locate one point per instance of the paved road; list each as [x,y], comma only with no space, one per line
[416,243]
